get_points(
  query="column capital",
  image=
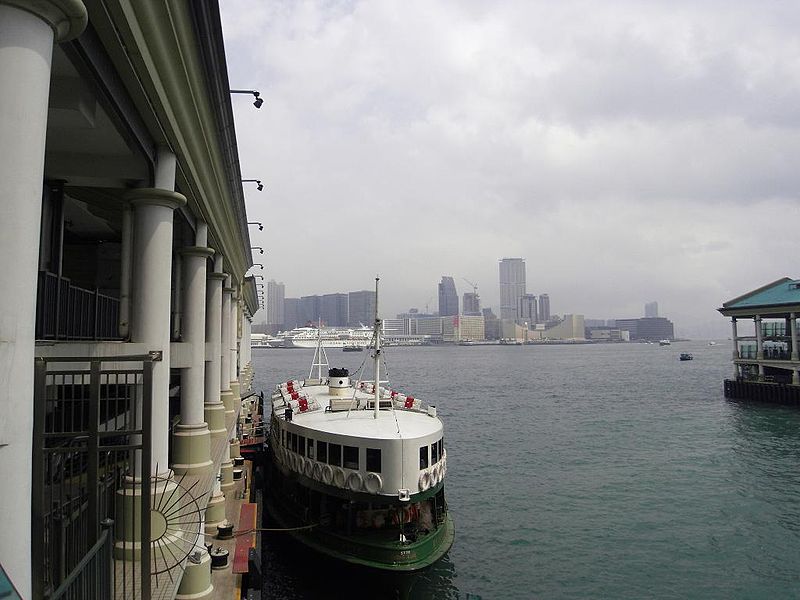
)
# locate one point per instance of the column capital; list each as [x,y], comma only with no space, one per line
[217,276]
[197,251]
[67,18]
[229,290]
[155,197]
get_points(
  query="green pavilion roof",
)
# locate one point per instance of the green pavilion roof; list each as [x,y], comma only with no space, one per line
[784,292]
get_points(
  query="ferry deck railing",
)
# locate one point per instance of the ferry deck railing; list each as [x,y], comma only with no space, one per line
[92,435]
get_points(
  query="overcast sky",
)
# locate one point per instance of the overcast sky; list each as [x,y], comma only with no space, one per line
[629,151]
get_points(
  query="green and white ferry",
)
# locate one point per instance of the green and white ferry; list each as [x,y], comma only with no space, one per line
[357,470]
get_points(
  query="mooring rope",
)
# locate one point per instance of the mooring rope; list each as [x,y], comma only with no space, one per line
[276,529]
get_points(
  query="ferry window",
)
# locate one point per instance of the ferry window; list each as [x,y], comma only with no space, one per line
[423,457]
[335,455]
[301,445]
[350,457]
[310,448]
[441,447]
[434,453]
[294,442]
[374,460]
[322,452]
[283,438]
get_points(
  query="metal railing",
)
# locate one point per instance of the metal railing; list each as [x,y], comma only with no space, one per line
[92,438]
[93,577]
[67,312]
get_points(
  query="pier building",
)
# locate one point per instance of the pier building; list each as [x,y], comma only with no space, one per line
[766,363]
[126,308]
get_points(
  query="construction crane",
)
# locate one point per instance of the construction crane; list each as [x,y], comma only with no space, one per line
[474,285]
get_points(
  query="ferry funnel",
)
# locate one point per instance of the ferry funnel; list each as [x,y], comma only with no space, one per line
[338,382]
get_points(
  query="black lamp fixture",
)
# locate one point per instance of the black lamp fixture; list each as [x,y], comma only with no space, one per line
[259,248]
[259,223]
[259,101]
[259,187]
[259,265]
[258,276]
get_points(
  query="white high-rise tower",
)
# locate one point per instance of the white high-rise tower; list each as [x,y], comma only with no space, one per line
[512,286]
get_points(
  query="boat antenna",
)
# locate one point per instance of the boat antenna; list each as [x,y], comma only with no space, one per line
[320,356]
[377,334]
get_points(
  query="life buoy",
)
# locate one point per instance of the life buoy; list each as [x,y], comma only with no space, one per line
[434,476]
[424,481]
[327,474]
[338,477]
[354,481]
[308,467]
[373,483]
[317,471]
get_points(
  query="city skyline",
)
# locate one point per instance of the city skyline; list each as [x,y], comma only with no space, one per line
[531,308]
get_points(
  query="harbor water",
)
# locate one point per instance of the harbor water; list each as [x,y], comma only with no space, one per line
[586,471]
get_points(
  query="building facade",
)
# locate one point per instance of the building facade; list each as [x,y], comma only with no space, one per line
[334,310]
[649,329]
[291,313]
[512,286]
[275,306]
[448,297]
[125,321]
[528,312]
[471,304]
[651,310]
[361,308]
[544,308]
[766,365]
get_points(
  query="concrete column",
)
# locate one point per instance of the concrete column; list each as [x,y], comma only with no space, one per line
[759,338]
[795,377]
[234,345]
[191,446]
[28,31]
[213,408]
[735,338]
[225,372]
[226,471]
[793,329]
[150,314]
[215,509]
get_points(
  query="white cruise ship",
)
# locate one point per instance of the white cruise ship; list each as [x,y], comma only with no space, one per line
[331,337]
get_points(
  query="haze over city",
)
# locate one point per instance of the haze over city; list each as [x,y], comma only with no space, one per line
[629,152]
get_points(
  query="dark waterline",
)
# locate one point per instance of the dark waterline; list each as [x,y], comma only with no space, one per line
[608,471]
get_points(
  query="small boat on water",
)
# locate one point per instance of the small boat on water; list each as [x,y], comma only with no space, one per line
[356,470]
[352,348]
[686,356]
[664,342]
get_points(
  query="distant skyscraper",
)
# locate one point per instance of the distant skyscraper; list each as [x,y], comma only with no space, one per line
[275,305]
[512,286]
[333,310]
[310,310]
[361,308]
[448,297]
[527,309]
[651,310]
[544,308]
[471,304]
[291,310]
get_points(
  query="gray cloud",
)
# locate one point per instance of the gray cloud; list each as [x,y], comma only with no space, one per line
[630,151]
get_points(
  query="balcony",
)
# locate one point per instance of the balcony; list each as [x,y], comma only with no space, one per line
[67,312]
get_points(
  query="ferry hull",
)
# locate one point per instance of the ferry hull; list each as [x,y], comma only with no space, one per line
[361,550]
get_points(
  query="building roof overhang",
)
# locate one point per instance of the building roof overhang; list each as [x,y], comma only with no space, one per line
[171,58]
[778,299]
